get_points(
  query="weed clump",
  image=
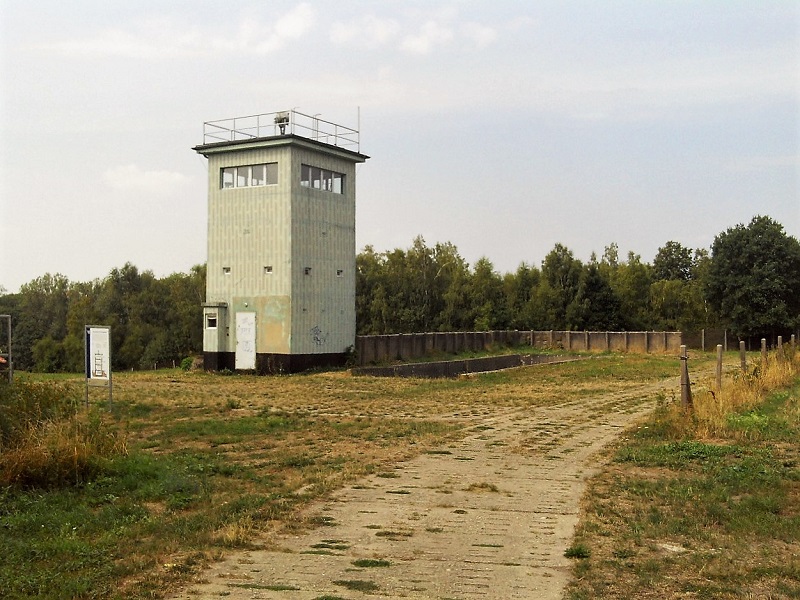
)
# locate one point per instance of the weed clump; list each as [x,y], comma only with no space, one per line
[46,442]
[577,551]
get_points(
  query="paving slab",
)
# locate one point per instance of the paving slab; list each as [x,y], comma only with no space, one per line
[489,516]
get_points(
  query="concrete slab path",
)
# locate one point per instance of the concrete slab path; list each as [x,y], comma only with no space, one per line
[488,517]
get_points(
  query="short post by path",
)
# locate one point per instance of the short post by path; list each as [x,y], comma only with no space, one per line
[763,352]
[780,349]
[743,356]
[686,386]
[719,367]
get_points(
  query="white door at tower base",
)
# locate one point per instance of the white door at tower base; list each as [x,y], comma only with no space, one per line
[246,340]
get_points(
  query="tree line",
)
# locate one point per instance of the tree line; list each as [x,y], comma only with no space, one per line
[749,283]
[153,321]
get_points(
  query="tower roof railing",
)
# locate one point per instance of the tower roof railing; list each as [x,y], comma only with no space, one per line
[281,123]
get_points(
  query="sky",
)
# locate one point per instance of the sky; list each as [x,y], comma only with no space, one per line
[503,127]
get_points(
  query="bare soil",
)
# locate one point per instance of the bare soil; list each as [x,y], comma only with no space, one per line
[488,516]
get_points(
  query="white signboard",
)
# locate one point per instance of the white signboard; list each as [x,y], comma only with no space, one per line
[245,340]
[98,353]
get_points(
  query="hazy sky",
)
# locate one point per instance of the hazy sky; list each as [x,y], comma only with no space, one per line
[503,127]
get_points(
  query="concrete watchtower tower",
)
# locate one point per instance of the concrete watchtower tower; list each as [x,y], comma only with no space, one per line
[280,289]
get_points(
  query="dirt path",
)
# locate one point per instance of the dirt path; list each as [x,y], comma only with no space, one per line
[487,517]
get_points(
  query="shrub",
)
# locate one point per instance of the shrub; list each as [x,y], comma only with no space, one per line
[46,442]
[23,404]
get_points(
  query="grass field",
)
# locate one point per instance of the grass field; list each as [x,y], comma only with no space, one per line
[208,463]
[703,504]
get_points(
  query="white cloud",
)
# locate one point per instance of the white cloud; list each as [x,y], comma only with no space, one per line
[295,22]
[430,35]
[481,35]
[132,178]
[369,31]
[152,39]
[170,38]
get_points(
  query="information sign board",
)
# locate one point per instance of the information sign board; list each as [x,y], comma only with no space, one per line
[97,354]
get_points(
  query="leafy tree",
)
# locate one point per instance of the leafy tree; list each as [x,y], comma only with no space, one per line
[673,261]
[487,298]
[48,355]
[520,290]
[754,278]
[453,278]
[42,312]
[631,283]
[370,310]
[670,301]
[595,306]
[562,272]
[420,289]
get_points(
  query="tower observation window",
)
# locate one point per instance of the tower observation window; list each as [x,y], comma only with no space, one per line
[321,179]
[249,175]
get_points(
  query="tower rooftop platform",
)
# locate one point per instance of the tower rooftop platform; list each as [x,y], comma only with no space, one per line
[286,122]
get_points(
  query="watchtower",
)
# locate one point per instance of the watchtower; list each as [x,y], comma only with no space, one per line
[280,287]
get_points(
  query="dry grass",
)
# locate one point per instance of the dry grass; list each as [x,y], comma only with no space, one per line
[741,391]
[60,452]
[701,503]
[45,441]
[216,462]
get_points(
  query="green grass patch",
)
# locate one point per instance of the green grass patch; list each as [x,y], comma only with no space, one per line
[394,534]
[273,587]
[358,585]
[577,551]
[371,562]
[711,517]
[331,545]
[487,545]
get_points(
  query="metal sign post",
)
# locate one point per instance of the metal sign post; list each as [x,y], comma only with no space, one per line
[97,359]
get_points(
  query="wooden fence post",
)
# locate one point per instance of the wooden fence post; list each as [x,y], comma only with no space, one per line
[719,368]
[763,353]
[743,356]
[780,348]
[686,386]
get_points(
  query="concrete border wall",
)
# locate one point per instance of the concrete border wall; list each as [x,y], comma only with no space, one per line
[454,368]
[373,349]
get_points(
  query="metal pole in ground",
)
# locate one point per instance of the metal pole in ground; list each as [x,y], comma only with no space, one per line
[719,367]
[686,387]
[743,356]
